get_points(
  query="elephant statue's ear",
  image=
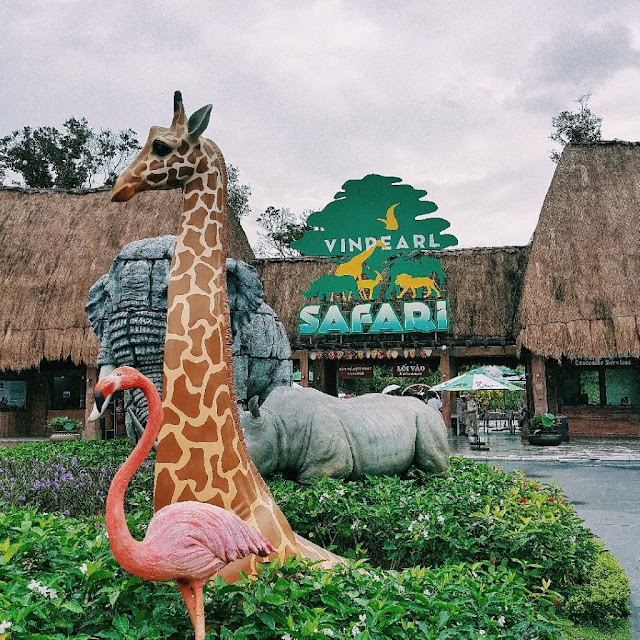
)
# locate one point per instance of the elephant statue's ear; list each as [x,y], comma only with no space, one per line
[253,407]
[95,307]
[244,292]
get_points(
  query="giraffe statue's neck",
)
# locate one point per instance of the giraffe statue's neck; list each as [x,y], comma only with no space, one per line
[201,451]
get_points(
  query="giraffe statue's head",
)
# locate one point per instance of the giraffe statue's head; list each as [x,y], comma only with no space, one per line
[170,156]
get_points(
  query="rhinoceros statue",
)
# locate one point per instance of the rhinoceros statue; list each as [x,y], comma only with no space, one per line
[304,433]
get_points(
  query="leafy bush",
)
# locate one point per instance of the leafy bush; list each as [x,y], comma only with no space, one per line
[604,599]
[474,513]
[510,540]
[64,423]
[71,479]
[58,581]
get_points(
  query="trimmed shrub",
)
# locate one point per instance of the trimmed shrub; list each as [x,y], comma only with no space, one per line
[604,599]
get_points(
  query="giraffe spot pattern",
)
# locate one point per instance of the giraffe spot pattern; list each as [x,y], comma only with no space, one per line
[201,451]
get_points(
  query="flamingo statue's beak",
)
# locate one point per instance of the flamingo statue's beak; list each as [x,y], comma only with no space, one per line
[102,393]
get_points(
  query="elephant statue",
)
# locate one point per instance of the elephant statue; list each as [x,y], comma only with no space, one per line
[127,309]
[304,433]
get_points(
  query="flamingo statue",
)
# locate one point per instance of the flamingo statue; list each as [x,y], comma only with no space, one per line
[187,541]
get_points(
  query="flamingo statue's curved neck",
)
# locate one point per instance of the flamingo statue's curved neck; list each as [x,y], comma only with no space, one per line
[123,544]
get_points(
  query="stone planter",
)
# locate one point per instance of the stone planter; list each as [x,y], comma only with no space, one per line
[545,439]
[64,436]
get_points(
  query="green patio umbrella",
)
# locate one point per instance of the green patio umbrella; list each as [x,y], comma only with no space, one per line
[495,371]
[476,382]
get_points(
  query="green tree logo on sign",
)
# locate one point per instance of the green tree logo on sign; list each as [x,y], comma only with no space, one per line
[375,230]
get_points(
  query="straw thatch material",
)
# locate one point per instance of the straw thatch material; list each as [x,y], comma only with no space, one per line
[483,287]
[53,246]
[582,285]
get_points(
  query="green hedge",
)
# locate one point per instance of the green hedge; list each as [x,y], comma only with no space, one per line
[449,556]
[604,599]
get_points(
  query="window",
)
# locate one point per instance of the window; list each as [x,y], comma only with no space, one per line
[67,391]
[601,386]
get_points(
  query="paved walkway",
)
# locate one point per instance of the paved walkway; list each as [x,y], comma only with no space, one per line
[504,446]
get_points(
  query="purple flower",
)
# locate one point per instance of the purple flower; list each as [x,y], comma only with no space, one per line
[66,512]
[20,497]
[36,485]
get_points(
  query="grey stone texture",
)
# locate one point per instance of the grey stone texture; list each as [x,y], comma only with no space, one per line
[127,309]
[305,433]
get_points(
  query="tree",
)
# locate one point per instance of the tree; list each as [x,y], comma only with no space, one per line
[279,229]
[75,157]
[237,195]
[575,128]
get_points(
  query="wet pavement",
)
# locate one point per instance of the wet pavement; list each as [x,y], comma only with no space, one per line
[599,476]
[502,445]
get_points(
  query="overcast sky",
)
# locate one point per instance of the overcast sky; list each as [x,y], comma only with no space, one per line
[453,97]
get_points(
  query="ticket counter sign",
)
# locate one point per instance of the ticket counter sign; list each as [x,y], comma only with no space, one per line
[355,371]
[375,231]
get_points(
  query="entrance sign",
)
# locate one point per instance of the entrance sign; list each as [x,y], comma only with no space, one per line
[426,317]
[375,231]
[410,370]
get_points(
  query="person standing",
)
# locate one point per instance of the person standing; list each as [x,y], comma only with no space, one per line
[460,404]
[471,416]
[434,401]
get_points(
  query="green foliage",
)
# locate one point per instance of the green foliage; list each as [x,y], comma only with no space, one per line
[456,601]
[474,513]
[544,422]
[579,127]
[605,598]
[278,229]
[503,553]
[69,478]
[65,423]
[237,194]
[75,157]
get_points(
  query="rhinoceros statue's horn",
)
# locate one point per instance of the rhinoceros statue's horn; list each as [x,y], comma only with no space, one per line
[253,407]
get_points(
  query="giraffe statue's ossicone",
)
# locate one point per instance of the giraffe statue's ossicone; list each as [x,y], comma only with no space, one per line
[201,451]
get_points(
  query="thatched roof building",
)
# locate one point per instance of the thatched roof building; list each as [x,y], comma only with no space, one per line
[581,295]
[55,245]
[483,287]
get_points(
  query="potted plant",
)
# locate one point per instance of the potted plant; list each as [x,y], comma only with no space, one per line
[65,428]
[543,430]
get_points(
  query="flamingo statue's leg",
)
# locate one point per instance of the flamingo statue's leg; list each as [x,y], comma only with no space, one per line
[199,609]
[189,601]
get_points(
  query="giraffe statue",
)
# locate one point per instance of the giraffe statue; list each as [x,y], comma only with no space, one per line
[201,452]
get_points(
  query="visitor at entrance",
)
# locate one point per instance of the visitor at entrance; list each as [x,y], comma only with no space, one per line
[471,416]
[460,403]
[434,401]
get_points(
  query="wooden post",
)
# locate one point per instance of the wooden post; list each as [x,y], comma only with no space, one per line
[302,356]
[445,371]
[90,430]
[538,384]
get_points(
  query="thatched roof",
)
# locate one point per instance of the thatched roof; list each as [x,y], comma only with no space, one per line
[53,246]
[581,295]
[483,287]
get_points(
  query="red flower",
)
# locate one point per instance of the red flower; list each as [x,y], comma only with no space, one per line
[561,499]
[493,560]
[557,603]
[551,499]
[522,499]
[525,485]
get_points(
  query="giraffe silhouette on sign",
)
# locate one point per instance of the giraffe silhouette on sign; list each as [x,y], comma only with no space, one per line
[201,451]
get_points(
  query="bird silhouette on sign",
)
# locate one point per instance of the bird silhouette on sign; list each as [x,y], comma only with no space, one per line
[390,221]
[187,541]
